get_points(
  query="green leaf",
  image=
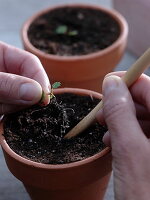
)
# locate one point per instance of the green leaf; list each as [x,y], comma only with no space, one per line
[62,29]
[56,85]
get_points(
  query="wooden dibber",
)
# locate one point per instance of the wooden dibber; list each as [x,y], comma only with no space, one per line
[129,78]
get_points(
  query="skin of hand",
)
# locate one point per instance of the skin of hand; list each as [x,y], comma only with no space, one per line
[22,79]
[126,112]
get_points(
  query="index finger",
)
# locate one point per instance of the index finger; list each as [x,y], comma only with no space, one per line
[20,62]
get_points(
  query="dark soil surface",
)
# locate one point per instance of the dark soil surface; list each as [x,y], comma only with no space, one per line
[73,31]
[37,133]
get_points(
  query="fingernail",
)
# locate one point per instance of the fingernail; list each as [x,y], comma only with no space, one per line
[110,83]
[30,92]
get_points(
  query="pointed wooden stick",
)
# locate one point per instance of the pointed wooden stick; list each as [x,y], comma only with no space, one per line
[129,78]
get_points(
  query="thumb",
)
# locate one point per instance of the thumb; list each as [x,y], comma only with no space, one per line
[120,116]
[18,90]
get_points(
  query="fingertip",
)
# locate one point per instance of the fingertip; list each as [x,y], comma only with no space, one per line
[45,99]
[100,117]
[106,139]
[111,81]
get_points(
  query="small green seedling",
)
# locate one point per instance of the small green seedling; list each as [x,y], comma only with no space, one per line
[54,86]
[73,33]
[63,30]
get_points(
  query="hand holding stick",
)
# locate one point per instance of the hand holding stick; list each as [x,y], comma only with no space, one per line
[129,78]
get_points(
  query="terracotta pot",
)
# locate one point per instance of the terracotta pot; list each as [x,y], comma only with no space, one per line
[82,180]
[85,71]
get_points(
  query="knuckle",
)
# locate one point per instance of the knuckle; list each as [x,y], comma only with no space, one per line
[6,85]
[3,84]
[116,108]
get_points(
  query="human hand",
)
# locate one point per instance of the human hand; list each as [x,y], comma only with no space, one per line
[22,79]
[127,115]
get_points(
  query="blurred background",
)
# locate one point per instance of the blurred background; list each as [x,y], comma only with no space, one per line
[13,14]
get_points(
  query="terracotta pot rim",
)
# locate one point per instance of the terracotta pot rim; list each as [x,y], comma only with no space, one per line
[116,15]
[17,157]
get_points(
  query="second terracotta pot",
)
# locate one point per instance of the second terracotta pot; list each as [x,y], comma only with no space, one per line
[85,71]
[82,180]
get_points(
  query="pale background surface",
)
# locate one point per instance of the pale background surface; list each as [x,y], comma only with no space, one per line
[13,13]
